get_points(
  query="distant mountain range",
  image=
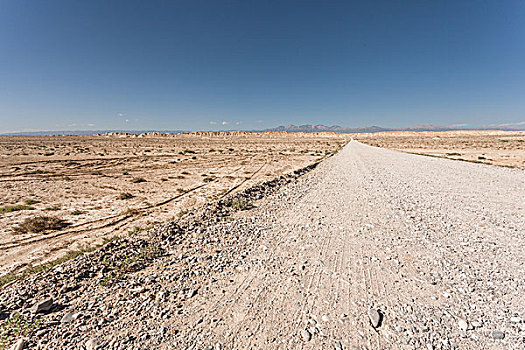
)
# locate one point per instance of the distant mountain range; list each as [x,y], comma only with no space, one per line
[371,129]
[288,128]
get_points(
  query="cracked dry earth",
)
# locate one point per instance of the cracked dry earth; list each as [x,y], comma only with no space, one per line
[374,249]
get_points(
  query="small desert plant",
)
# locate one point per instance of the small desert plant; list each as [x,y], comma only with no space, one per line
[39,224]
[53,208]
[185,173]
[11,208]
[125,173]
[117,268]
[125,195]
[138,180]
[77,212]
[131,212]
[183,212]
[208,179]
[47,154]
[239,203]
[31,201]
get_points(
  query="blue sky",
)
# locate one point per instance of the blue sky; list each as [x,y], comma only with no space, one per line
[199,65]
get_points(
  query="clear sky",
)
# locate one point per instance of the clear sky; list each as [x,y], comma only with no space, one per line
[71,64]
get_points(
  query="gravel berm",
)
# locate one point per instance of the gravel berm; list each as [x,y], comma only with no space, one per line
[373,249]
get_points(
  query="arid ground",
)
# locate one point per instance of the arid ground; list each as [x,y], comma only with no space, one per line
[371,249]
[61,194]
[505,148]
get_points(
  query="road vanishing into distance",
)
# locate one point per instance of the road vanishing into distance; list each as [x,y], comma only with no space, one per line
[373,249]
[377,249]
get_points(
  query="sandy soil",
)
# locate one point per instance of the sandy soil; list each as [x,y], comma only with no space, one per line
[504,148]
[103,186]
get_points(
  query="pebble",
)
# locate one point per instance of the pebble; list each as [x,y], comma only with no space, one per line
[42,306]
[19,345]
[338,345]
[68,317]
[325,318]
[192,293]
[92,344]
[305,335]
[515,319]
[375,317]
[463,324]
[498,335]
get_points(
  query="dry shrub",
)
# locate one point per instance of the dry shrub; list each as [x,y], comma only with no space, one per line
[39,224]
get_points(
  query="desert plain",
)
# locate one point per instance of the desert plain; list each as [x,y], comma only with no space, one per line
[264,240]
[497,147]
[115,184]
[93,188]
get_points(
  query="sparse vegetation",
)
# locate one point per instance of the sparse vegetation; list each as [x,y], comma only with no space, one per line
[125,195]
[86,181]
[53,208]
[183,212]
[40,224]
[239,203]
[136,229]
[15,326]
[11,208]
[138,180]
[117,268]
[131,212]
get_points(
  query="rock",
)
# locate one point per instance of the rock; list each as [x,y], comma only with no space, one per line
[375,317]
[325,318]
[338,345]
[19,345]
[42,306]
[92,344]
[192,293]
[68,317]
[305,335]
[476,324]
[515,319]
[463,324]
[498,335]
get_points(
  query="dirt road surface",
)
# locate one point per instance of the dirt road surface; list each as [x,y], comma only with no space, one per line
[436,246]
[374,249]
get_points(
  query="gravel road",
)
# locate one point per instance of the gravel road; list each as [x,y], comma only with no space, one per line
[374,249]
